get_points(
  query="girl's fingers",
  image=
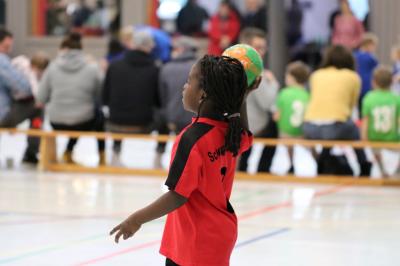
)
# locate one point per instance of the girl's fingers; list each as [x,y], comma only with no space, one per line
[115,229]
[117,236]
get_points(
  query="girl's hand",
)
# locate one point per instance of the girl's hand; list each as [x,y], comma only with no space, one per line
[254,86]
[126,229]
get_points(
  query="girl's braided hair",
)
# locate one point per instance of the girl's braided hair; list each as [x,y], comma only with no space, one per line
[224,81]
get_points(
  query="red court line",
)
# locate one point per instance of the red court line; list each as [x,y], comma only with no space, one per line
[287,204]
[245,216]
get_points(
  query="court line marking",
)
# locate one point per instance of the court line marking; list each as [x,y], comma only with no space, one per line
[121,252]
[262,237]
[54,218]
[258,212]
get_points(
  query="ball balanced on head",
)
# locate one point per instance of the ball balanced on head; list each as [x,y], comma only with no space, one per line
[250,59]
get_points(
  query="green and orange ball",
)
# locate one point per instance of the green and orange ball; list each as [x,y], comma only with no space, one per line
[250,59]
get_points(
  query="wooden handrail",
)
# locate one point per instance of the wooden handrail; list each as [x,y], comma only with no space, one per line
[268,142]
[48,156]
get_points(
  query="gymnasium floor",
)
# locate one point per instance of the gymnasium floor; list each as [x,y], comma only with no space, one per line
[64,219]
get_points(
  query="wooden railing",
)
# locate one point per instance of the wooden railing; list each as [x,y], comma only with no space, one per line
[48,156]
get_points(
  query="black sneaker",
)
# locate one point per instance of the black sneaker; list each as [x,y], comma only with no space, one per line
[291,170]
[365,168]
[29,158]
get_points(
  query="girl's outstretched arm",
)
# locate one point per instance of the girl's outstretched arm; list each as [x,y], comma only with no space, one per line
[162,206]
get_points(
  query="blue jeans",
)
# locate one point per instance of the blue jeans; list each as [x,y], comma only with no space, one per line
[338,131]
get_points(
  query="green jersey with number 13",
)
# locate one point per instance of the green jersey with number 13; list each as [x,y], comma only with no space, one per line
[382,108]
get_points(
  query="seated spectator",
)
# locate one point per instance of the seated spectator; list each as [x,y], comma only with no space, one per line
[366,62]
[255,15]
[131,88]
[71,89]
[173,77]
[381,112]
[396,69]
[291,104]
[32,69]
[16,99]
[334,91]
[224,28]
[347,29]
[260,103]
[191,19]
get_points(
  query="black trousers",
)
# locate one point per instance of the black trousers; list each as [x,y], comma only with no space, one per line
[271,131]
[95,124]
[20,111]
[169,262]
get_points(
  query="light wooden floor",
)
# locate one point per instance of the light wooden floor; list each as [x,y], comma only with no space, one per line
[64,219]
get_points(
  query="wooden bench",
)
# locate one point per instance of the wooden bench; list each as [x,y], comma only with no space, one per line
[48,157]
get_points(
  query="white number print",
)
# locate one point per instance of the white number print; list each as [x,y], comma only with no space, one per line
[297,116]
[384,118]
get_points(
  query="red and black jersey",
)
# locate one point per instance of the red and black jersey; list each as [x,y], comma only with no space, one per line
[204,230]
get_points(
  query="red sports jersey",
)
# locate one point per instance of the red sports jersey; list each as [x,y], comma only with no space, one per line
[204,230]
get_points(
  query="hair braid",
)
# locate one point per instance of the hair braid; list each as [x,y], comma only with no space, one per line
[224,81]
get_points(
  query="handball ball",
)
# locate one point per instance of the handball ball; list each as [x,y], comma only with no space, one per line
[250,59]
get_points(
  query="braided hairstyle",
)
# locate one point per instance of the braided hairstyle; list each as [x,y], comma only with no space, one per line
[224,81]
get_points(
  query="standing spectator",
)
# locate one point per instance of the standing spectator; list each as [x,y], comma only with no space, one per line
[191,19]
[224,28]
[16,98]
[260,103]
[173,76]
[294,24]
[366,63]
[71,87]
[291,104]
[381,112]
[347,30]
[130,88]
[335,89]
[396,69]
[255,15]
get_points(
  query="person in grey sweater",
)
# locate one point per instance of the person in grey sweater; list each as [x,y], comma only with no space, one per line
[172,78]
[71,89]
[260,104]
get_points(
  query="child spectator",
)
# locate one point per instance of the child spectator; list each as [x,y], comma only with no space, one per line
[396,69]
[366,62]
[32,69]
[381,111]
[291,104]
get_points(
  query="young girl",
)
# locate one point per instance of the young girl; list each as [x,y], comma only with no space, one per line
[201,227]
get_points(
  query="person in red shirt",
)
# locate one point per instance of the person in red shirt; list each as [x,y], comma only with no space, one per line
[224,29]
[201,227]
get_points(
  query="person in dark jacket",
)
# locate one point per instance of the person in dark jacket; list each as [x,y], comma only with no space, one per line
[255,15]
[130,88]
[191,19]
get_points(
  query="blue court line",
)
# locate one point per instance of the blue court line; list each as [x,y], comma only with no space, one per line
[50,248]
[261,237]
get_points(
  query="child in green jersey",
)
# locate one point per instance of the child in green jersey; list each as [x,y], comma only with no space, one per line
[291,104]
[380,112]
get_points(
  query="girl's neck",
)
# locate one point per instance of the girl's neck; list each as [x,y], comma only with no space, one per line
[208,110]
